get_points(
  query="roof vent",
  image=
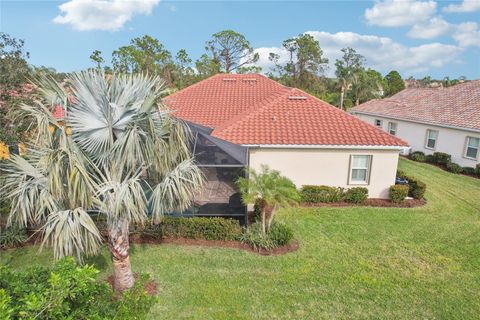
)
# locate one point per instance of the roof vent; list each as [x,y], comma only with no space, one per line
[229,79]
[297,98]
[249,79]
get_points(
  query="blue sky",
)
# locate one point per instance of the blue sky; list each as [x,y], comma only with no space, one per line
[414,37]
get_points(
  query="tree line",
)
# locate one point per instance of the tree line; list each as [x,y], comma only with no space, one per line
[226,51]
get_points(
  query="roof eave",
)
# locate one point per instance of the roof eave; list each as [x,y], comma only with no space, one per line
[414,121]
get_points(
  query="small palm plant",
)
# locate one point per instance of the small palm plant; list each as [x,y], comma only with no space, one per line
[270,190]
[115,154]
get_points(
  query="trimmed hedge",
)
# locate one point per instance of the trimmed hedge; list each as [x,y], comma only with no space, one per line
[398,193]
[356,195]
[418,156]
[416,187]
[442,158]
[315,194]
[430,158]
[477,169]
[454,168]
[469,170]
[200,228]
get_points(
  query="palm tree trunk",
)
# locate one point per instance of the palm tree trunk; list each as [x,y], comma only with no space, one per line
[271,213]
[119,245]
[342,94]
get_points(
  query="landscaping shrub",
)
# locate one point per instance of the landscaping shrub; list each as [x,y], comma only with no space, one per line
[469,170]
[416,187]
[442,158]
[454,168]
[418,156]
[280,234]
[315,194]
[12,236]
[254,237]
[201,228]
[430,158]
[356,195]
[67,291]
[398,193]
[477,169]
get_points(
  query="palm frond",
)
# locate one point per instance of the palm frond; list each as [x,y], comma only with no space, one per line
[71,233]
[177,189]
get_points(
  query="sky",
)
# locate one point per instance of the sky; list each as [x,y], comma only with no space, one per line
[417,38]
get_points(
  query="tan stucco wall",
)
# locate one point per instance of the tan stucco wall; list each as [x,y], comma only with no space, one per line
[328,166]
[451,141]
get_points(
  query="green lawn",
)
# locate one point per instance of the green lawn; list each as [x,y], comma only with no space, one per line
[378,263]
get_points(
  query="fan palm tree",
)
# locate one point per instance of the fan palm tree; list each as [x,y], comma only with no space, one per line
[115,154]
[270,190]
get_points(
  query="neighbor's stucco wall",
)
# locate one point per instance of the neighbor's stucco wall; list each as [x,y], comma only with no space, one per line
[329,167]
[451,141]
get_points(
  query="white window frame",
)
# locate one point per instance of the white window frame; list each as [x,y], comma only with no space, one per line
[427,138]
[394,124]
[467,140]
[378,125]
[368,168]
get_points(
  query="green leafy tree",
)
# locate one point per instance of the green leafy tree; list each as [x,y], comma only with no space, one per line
[97,58]
[123,155]
[270,190]
[366,85]
[349,67]
[206,66]
[145,54]
[305,62]
[230,50]
[14,71]
[394,83]
[183,74]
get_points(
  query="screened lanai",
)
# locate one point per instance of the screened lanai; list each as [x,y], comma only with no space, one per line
[222,163]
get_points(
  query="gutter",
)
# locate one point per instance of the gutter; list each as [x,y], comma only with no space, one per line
[415,121]
[307,146]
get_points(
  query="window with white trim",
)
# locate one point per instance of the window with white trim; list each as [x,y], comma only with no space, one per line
[378,123]
[432,137]
[360,169]
[392,128]
[472,146]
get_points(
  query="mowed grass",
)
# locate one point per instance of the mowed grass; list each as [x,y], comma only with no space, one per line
[361,263]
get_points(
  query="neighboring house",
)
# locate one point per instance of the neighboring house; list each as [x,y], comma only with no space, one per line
[443,120]
[248,120]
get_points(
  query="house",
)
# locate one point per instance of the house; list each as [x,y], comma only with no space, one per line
[248,120]
[431,120]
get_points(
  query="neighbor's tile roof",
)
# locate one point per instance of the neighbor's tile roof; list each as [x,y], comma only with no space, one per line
[59,112]
[253,109]
[457,106]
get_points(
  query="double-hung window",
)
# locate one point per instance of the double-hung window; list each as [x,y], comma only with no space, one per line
[392,128]
[432,137]
[360,169]
[472,147]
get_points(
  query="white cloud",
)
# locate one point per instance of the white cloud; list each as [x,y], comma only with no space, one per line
[465,6]
[396,13]
[108,15]
[467,34]
[430,29]
[381,53]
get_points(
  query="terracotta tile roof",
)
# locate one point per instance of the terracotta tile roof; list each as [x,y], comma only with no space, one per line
[457,106]
[58,112]
[253,109]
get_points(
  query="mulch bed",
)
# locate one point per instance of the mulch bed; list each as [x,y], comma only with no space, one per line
[293,246]
[150,287]
[383,203]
